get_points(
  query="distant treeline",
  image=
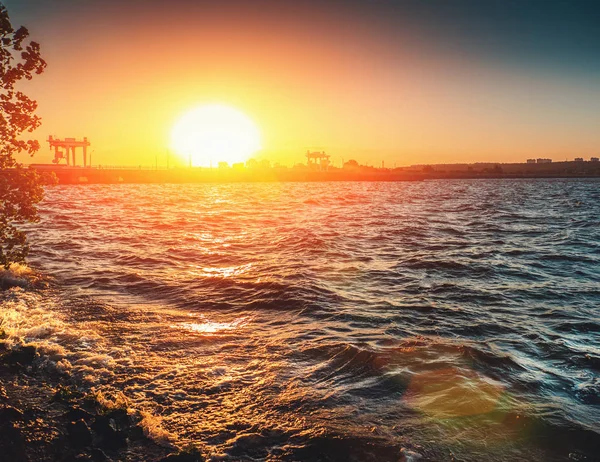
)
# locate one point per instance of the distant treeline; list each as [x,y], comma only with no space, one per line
[573,168]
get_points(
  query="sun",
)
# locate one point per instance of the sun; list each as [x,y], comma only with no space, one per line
[215,133]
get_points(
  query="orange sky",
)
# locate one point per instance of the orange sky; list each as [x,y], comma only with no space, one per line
[334,80]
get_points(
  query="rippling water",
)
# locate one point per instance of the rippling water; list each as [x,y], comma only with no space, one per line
[346,321]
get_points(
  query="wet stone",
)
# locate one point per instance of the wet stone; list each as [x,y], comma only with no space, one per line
[23,355]
[32,413]
[10,414]
[63,394]
[185,456]
[104,426]
[79,433]
[137,433]
[80,458]
[95,455]
[98,455]
[12,447]
[76,413]
[252,443]
[90,401]
[120,419]
[106,429]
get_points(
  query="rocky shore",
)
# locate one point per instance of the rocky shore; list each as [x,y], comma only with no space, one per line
[45,418]
[48,416]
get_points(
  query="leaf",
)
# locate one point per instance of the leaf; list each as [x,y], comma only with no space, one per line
[20,189]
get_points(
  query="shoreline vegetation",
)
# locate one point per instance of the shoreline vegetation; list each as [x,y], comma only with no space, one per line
[48,415]
[301,173]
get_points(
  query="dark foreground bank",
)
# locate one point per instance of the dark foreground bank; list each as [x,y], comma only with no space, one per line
[46,416]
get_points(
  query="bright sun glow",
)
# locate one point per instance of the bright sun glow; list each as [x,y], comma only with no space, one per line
[215,133]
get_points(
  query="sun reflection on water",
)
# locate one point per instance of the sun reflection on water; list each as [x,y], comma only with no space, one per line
[212,327]
[221,272]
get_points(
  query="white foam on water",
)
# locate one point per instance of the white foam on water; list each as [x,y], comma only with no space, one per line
[31,317]
[153,429]
[35,318]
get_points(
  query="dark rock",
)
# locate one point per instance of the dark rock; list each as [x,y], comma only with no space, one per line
[62,394]
[81,458]
[137,433]
[76,413]
[238,427]
[12,443]
[10,414]
[8,281]
[192,455]
[120,418]
[220,437]
[94,455]
[252,444]
[79,433]
[32,413]
[98,455]
[106,429]
[103,426]
[23,355]
[91,401]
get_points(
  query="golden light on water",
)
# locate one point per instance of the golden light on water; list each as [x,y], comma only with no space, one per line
[209,327]
[221,272]
[453,392]
[215,133]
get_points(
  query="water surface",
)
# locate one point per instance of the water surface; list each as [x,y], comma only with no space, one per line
[333,321]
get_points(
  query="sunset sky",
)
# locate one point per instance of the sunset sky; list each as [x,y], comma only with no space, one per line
[401,81]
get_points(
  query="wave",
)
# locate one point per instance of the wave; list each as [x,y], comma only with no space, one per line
[374,321]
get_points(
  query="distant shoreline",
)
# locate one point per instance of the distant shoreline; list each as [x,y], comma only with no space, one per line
[116,175]
[92,175]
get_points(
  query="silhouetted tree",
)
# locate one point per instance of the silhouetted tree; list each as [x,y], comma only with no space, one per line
[20,188]
[351,164]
